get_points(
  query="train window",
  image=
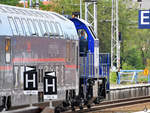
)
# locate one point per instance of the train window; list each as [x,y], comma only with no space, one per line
[57,30]
[43,28]
[83,43]
[24,12]
[50,24]
[41,15]
[37,27]
[49,30]
[26,28]
[60,29]
[12,10]
[1,10]
[0,21]
[54,29]
[19,26]
[12,24]
[16,11]
[32,29]
[82,34]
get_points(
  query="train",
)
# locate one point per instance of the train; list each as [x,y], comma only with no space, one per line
[48,41]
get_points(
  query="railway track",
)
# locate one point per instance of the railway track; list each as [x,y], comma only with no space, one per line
[102,106]
[112,104]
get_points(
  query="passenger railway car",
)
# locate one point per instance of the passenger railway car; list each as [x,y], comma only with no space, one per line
[47,41]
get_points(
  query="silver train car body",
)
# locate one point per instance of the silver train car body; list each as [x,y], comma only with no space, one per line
[44,40]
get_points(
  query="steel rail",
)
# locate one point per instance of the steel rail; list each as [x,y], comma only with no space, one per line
[112,104]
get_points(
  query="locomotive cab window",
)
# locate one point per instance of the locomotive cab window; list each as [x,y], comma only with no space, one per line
[83,42]
[82,34]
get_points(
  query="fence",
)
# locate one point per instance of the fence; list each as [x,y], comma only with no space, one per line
[130,76]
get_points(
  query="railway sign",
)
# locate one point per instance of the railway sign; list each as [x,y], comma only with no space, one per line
[146,72]
[50,85]
[30,82]
[144,19]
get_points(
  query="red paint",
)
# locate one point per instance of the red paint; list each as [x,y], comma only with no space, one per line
[71,66]
[39,60]
[5,68]
[28,47]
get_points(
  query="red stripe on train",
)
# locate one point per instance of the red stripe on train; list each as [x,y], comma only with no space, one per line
[71,66]
[5,68]
[39,60]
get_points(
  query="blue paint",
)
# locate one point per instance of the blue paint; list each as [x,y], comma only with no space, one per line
[80,25]
[144,19]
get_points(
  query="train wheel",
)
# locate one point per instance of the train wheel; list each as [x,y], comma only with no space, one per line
[73,109]
[81,107]
[57,110]
[89,106]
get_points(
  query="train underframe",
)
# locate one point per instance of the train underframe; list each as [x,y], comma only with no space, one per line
[91,91]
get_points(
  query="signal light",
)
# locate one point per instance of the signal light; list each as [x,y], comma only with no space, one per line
[120,36]
[7,50]
[7,47]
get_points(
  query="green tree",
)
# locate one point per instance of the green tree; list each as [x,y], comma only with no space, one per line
[9,2]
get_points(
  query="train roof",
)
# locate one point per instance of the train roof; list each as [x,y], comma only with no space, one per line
[29,12]
[62,25]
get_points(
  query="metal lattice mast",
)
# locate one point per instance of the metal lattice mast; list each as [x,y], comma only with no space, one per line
[88,13]
[115,44]
[30,4]
[37,4]
[80,8]
[91,17]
